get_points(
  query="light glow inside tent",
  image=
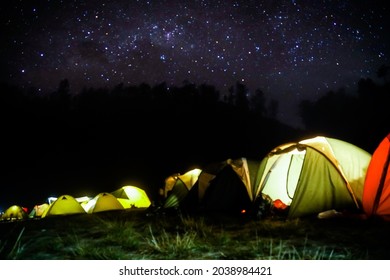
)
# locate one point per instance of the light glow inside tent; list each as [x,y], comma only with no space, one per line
[83,199]
[131,196]
[102,202]
[189,179]
[286,174]
[315,175]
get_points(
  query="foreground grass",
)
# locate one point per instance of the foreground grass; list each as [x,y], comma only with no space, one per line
[135,235]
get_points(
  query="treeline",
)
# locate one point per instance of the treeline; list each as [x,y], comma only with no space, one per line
[128,117]
[362,117]
[102,138]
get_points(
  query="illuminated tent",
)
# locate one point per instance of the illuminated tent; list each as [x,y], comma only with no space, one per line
[103,202]
[38,210]
[376,194]
[83,199]
[222,187]
[314,175]
[177,187]
[15,212]
[64,205]
[132,197]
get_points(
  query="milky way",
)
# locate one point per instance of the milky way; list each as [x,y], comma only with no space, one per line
[291,50]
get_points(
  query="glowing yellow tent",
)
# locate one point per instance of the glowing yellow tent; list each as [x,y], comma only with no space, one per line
[132,197]
[102,202]
[177,187]
[64,205]
[15,212]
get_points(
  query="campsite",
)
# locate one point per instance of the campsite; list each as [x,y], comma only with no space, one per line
[229,210]
[195,130]
[200,177]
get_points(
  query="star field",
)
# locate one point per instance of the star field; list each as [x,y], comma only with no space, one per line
[291,50]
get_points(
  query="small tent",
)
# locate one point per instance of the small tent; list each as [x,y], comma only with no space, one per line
[132,197]
[63,205]
[222,187]
[14,212]
[376,194]
[83,200]
[38,210]
[102,202]
[177,187]
[314,175]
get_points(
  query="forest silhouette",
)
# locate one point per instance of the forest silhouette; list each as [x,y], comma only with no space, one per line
[102,138]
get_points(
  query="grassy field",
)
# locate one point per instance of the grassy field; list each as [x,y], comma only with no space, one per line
[138,235]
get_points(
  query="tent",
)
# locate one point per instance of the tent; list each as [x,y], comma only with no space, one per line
[177,187]
[38,210]
[83,199]
[313,175]
[222,187]
[64,205]
[14,212]
[376,194]
[132,197]
[102,202]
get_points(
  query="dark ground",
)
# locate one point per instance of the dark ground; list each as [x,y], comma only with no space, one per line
[53,237]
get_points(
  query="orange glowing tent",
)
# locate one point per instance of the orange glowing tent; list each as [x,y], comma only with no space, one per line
[376,194]
[38,210]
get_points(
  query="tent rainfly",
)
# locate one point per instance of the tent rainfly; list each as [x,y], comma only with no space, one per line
[14,212]
[376,195]
[177,187]
[102,202]
[222,187]
[132,197]
[63,205]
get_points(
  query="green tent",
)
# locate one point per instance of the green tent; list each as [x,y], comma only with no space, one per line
[132,197]
[313,175]
[177,187]
[223,187]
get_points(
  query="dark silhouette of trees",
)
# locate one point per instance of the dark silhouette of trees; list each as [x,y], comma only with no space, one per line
[101,138]
[239,96]
[383,72]
[359,117]
[258,103]
[273,109]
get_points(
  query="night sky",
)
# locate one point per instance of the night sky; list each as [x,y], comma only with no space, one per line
[291,50]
